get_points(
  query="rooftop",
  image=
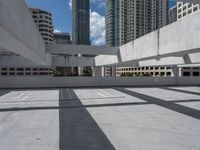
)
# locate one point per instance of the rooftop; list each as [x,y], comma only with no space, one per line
[100,118]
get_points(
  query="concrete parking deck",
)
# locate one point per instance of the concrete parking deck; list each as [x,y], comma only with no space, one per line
[157,118]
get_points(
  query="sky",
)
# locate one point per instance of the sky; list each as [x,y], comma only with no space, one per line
[62,19]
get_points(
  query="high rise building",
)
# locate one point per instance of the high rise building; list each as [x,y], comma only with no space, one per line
[127,20]
[43,20]
[81,22]
[62,38]
[81,26]
[184,9]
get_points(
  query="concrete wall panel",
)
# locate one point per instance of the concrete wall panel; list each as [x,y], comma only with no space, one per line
[18,32]
[181,35]
[104,60]
[146,46]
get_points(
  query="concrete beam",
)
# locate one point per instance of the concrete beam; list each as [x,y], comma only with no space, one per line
[63,61]
[81,49]
[18,32]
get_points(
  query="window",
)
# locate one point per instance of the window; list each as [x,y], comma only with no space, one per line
[28,73]
[28,69]
[35,69]
[195,74]
[168,73]
[195,8]
[12,69]
[35,73]
[4,73]
[20,73]
[20,69]
[12,73]
[186,73]
[4,69]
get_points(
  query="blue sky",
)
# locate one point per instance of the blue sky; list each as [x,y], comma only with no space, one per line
[61,11]
[62,20]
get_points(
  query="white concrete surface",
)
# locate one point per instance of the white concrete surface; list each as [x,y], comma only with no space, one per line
[100,119]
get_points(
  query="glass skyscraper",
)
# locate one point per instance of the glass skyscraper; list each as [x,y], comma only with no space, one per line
[81,22]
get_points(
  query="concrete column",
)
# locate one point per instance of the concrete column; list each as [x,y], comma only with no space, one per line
[113,71]
[187,59]
[175,71]
[97,71]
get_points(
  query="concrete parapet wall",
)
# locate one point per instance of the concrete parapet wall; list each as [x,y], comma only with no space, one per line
[177,39]
[53,82]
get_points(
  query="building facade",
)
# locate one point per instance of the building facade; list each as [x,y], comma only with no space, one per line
[26,71]
[184,9]
[127,20]
[62,38]
[144,71]
[43,20]
[81,22]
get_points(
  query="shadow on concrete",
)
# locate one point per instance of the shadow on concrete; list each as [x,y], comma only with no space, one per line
[4,92]
[68,100]
[166,104]
[78,130]
[73,106]
[182,91]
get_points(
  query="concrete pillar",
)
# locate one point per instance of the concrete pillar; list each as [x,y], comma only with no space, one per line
[175,71]
[187,59]
[97,71]
[113,71]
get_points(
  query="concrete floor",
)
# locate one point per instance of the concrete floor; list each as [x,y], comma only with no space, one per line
[159,118]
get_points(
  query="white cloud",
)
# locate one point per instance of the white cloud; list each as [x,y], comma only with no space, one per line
[70,4]
[97,28]
[99,3]
[97,24]
[57,31]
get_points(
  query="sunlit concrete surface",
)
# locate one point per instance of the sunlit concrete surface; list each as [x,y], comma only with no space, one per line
[157,118]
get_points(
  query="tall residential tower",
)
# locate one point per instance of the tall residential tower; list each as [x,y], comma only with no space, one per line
[81,22]
[127,20]
[43,21]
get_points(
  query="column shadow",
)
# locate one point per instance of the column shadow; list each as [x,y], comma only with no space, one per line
[166,104]
[78,130]
[4,92]
[181,91]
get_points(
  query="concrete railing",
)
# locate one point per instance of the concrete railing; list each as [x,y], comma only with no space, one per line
[55,82]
